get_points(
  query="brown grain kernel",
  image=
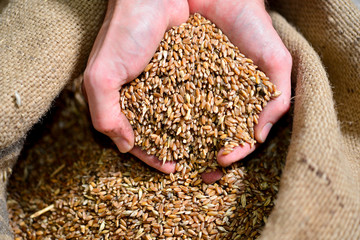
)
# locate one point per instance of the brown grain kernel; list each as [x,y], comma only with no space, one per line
[148,67]
[143,200]
[207,106]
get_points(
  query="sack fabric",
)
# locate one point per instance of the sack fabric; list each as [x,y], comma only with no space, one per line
[45,44]
[319,195]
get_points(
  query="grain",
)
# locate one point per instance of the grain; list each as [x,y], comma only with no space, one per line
[189,99]
[98,193]
[17,99]
[141,198]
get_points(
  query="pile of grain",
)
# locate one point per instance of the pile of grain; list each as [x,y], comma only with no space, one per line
[72,183]
[197,94]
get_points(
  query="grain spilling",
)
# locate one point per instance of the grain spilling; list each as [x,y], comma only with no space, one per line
[86,189]
[197,94]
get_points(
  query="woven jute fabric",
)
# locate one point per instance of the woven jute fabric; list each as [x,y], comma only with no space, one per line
[44,44]
[319,194]
[8,158]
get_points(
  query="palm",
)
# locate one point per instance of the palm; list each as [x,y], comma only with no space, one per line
[130,34]
[249,27]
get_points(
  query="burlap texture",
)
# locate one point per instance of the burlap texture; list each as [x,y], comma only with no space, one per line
[319,194]
[45,43]
[8,158]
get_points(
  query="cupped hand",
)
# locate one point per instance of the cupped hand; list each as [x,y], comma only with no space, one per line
[249,27]
[126,42]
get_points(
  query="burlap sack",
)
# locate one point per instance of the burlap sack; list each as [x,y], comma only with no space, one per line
[44,44]
[319,194]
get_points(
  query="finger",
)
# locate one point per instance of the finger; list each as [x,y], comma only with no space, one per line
[107,117]
[278,69]
[237,154]
[211,177]
[182,9]
[167,167]
[126,42]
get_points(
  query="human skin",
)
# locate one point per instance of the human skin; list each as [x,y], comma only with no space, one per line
[249,27]
[129,37]
[126,42]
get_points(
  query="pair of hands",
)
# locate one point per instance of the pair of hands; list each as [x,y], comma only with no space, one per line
[129,37]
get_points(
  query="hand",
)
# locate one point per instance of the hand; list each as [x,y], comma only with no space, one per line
[126,42]
[249,27]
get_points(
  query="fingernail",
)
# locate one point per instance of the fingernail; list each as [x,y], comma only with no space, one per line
[265,131]
[123,145]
